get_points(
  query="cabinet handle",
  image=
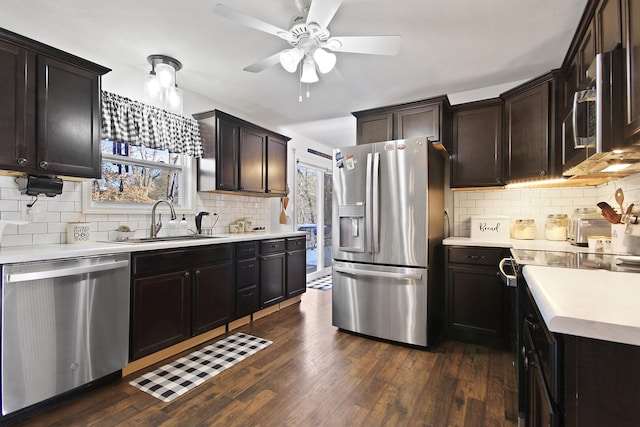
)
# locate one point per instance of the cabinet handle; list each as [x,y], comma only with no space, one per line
[187,275]
[247,295]
[474,257]
[531,324]
[22,161]
[247,266]
[543,173]
[197,272]
[44,165]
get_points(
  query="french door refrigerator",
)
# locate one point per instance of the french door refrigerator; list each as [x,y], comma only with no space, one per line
[388,214]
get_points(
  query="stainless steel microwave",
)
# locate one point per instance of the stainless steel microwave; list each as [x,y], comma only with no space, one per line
[594,126]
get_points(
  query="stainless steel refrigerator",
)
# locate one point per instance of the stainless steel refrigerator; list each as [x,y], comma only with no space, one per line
[388,214]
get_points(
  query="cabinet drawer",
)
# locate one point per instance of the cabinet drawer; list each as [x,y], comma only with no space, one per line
[296,243]
[154,262]
[247,301]
[247,250]
[246,273]
[476,256]
[272,246]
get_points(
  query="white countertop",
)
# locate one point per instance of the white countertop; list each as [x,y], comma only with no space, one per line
[13,254]
[596,304]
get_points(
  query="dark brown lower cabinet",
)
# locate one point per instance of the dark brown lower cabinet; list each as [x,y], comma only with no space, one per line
[296,266]
[247,296]
[160,312]
[179,293]
[479,305]
[572,381]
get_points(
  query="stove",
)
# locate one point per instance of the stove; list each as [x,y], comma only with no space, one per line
[581,260]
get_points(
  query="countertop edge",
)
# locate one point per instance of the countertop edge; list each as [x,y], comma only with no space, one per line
[15,254]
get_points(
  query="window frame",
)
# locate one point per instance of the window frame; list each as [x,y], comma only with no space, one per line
[186,204]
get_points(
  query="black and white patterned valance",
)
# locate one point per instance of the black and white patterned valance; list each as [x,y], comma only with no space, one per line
[125,120]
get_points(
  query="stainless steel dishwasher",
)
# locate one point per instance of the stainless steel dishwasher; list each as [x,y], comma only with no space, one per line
[65,323]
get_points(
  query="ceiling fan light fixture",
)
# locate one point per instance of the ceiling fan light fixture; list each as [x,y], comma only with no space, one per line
[309,74]
[325,60]
[290,58]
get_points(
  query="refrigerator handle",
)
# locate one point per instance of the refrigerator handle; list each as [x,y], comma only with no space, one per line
[370,273]
[375,208]
[367,216]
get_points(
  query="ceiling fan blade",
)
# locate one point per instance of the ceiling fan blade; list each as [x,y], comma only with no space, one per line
[321,11]
[374,45]
[250,21]
[264,64]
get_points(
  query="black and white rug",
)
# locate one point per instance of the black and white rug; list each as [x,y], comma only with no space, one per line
[323,283]
[176,378]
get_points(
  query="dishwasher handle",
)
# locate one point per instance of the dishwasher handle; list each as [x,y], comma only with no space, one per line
[63,272]
[511,280]
[387,274]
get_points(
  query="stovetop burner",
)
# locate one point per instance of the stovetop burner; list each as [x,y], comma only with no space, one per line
[581,260]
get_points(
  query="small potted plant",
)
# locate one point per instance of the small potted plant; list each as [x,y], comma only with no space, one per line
[124,232]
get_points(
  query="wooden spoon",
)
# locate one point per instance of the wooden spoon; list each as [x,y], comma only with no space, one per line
[283,215]
[619,199]
[609,213]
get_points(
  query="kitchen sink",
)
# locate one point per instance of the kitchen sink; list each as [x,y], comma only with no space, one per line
[165,238]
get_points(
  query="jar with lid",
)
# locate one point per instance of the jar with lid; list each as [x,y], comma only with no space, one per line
[524,229]
[556,227]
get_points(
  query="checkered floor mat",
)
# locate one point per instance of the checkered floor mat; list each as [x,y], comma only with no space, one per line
[176,378]
[323,283]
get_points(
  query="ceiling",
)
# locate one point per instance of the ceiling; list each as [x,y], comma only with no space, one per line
[449,46]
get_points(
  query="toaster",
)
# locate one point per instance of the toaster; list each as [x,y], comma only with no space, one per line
[580,228]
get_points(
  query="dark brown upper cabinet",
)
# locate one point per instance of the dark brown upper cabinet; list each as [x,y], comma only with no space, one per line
[530,149]
[631,42]
[240,156]
[49,110]
[411,120]
[476,159]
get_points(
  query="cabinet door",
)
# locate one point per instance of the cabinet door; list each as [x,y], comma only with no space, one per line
[296,273]
[608,25]
[374,128]
[419,122]
[527,133]
[476,305]
[68,117]
[632,44]
[247,301]
[161,312]
[477,147]
[213,296]
[586,51]
[276,165]
[246,273]
[17,108]
[272,279]
[252,164]
[227,138]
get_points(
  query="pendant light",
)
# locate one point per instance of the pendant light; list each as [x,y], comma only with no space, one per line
[161,88]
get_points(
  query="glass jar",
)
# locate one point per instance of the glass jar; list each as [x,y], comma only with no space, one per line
[556,227]
[524,229]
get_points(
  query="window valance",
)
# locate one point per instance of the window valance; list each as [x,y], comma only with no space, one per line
[125,120]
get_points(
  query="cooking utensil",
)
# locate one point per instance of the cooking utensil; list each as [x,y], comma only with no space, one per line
[630,209]
[619,195]
[609,213]
[283,215]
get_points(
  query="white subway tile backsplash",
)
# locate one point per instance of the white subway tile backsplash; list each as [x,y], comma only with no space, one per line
[51,215]
[536,203]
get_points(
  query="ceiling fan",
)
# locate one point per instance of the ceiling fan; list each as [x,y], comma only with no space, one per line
[310,39]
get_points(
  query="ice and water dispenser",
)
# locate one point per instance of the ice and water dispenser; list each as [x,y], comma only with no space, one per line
[352,227]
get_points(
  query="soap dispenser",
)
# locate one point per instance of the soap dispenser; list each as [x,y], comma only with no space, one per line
[182,227]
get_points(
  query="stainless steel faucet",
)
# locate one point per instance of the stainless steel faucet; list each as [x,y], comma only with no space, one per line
[155,227]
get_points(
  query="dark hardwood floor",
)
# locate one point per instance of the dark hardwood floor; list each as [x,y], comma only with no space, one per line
[315,375]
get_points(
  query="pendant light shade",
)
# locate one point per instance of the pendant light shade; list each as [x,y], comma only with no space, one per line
[160,87]
[309,74]
[290,58]
[325,60]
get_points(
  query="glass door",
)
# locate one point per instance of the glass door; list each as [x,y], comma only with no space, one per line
[313,215]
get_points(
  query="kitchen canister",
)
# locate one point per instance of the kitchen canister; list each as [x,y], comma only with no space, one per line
[556,227]
[524,229]
[78,232]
